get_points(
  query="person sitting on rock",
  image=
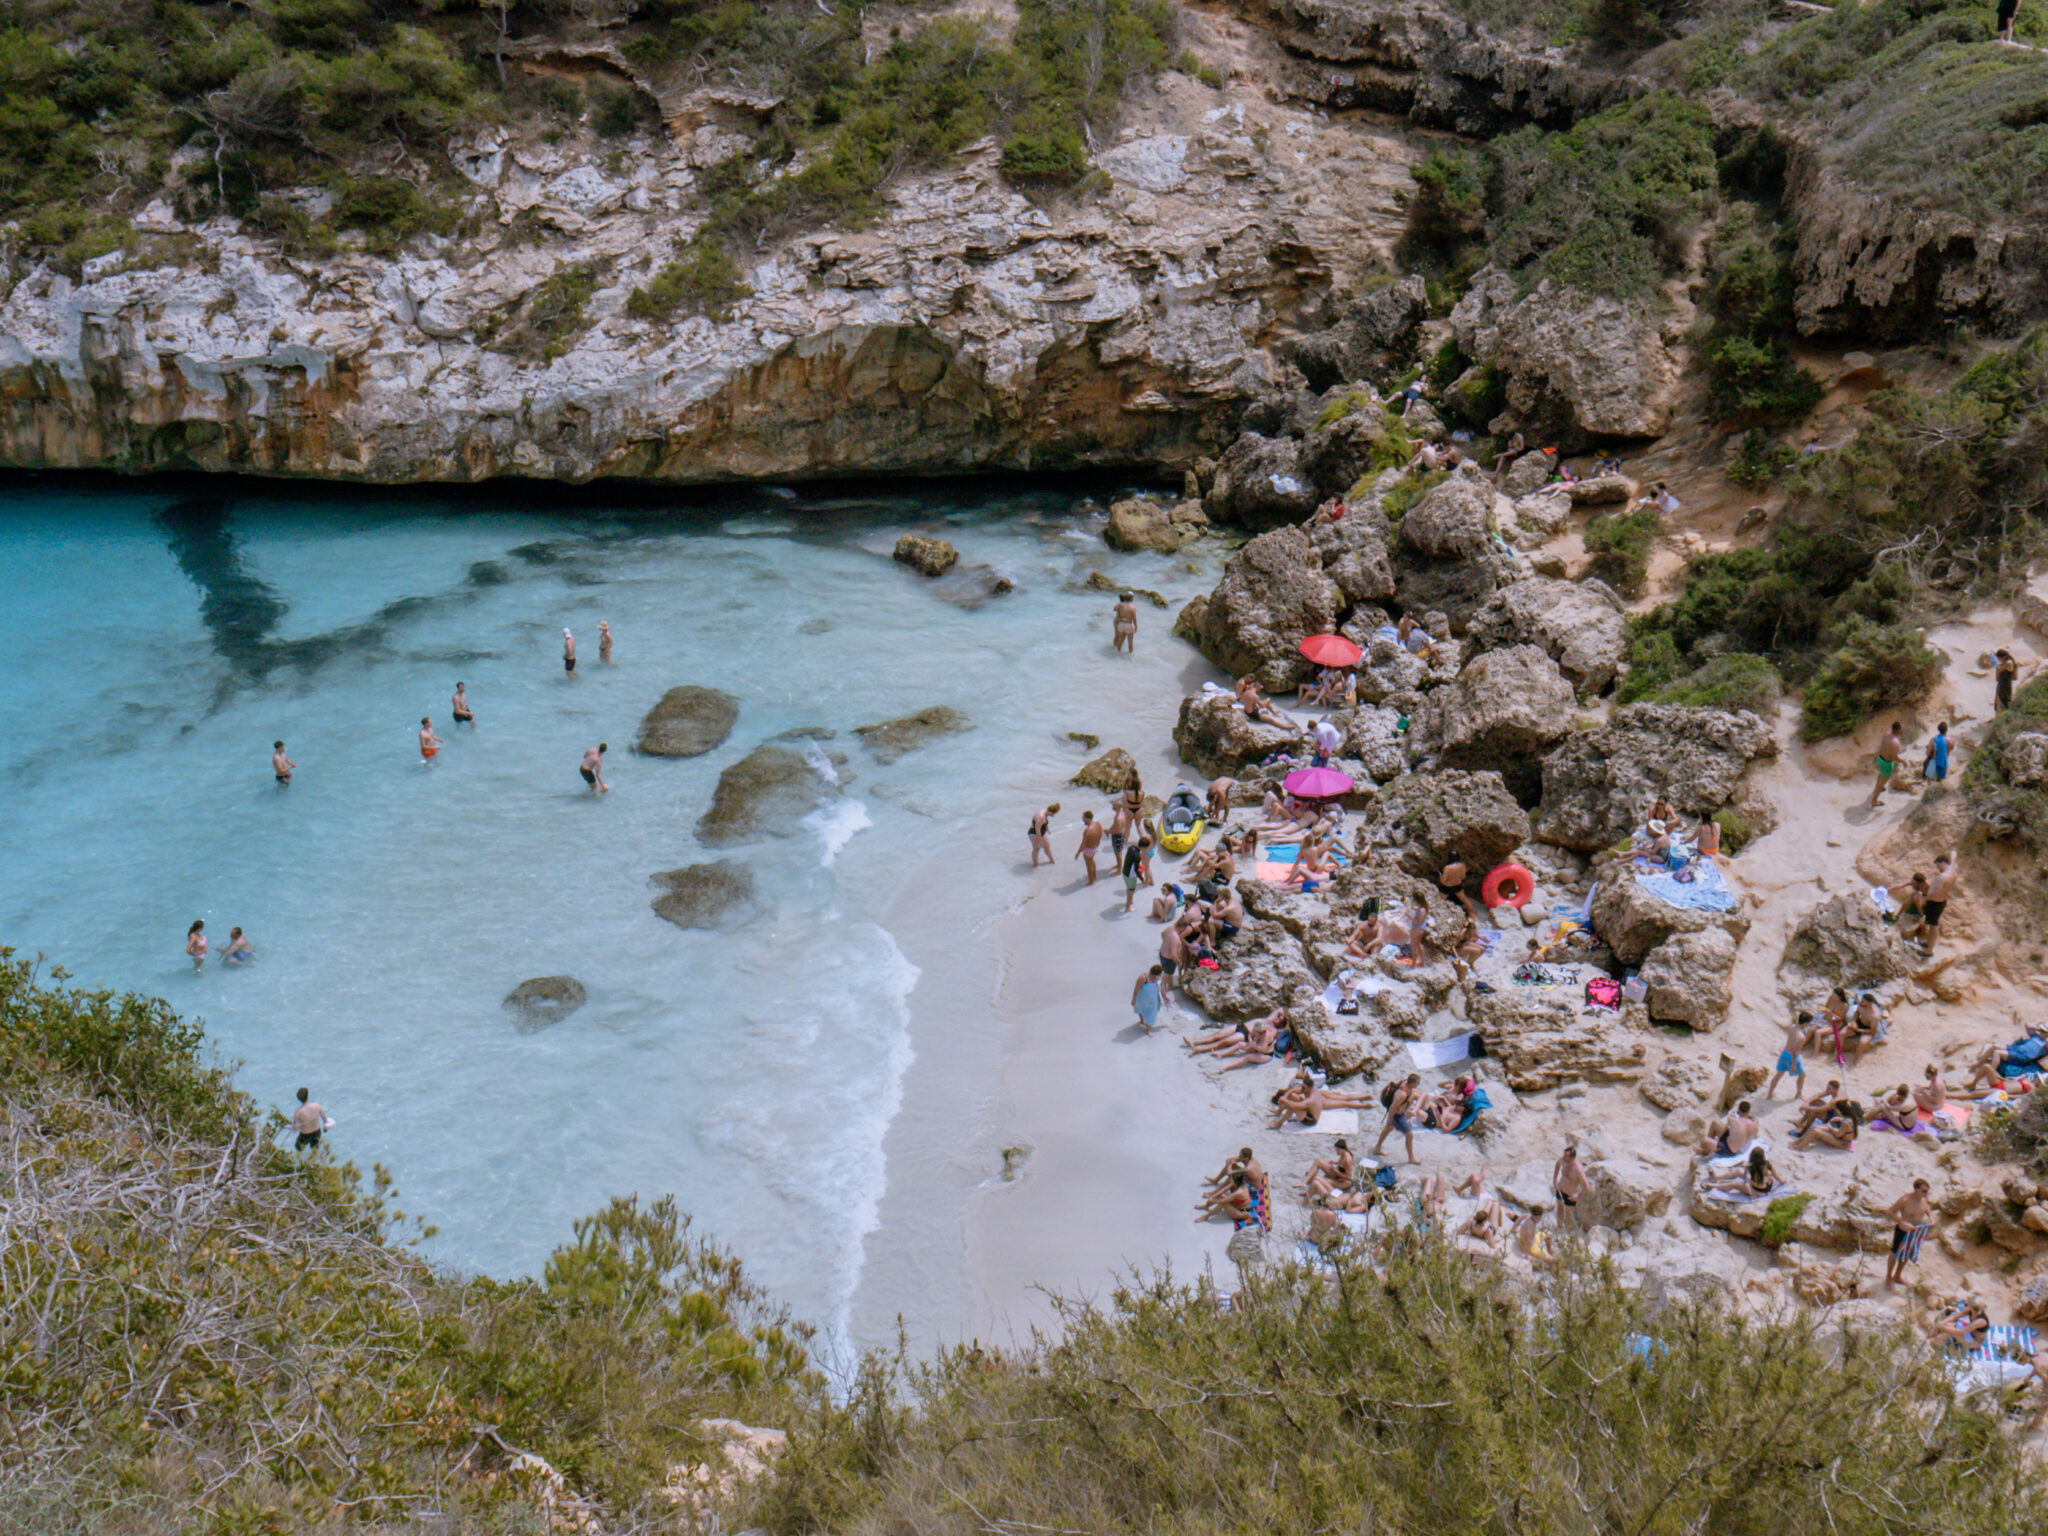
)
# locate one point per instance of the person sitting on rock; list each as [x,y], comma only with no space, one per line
[1328,1175]
[1932,1094]
[1836,1129]
[1865,1028]
[1746,1179]
[1726,1138]
[1414,638]
[1964,1324]
[1226,917]
[1329,690]
[1466,948]
[1365,940]
[1256,705]
[1817,1107]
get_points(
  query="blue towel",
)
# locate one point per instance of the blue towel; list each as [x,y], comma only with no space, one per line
[1707,891]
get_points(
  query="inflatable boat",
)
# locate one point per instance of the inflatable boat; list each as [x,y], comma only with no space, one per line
[1181,820]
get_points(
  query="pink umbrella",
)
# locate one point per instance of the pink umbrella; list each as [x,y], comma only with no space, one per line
[1331,651]
[1316,783]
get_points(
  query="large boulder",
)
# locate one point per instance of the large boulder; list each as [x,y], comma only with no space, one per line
[1447,558]
[1598,785]
[1263,968]
[926,555]
[1599,491]
[1356,552]
[1577,364]
[1260,483]
[2025,758]
[892,738]
[1633,920]
[769,790]
[1138,524]
[544,1000]
[1540,1040]
[1388,669]
[1529,474]
[1579,624]
[1108,773]
[1689,978]
[1360,442]
[705,895]
[1368,333]
[1845,941]
[1373,736]
[1438,818]
[1624,1192]
[1504,709]
[1273,595]
[1217,737]
[687,722]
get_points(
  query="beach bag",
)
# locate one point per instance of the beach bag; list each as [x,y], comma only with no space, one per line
[1603,992]
[1385,1177]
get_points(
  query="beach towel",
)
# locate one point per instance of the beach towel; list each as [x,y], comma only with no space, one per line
[1744,1195]
[1883,900]
[1735,1159]
[1704,891]
[1581,912]
[1361,986]
[1441,1053]
[1479,1104]
[1335,1122]
[1536,974]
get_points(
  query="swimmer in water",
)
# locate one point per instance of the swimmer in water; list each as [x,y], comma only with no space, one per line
[593,769]
[195,944]
[604,641]
[238,950]
[429,742]
[568,651]
[281,765]
[461,702]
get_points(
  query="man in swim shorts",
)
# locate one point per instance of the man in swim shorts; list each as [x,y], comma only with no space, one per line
[1798,1036]
[1451,881]
[604,641]
[461,702]
[1912,1215]
[281,765]
[1888,752]
[593,768]
[1947,870]
[429,742]
[309,1120]
[568,651]
[1568,1183]
[1091,842]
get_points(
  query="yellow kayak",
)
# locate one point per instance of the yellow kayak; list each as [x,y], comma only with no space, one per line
[1181,820]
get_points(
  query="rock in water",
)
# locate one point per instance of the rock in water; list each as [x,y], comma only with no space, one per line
[892,738]
[926,555]
[704,895]
[687,722]
[1141,524]
[768,790]
[1107,773]
[545,1000]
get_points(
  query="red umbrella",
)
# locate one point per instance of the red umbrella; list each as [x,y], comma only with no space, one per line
[1316,783]
[1331,651]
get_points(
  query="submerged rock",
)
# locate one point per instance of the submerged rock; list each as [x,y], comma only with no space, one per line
[704,895]
[1102,581]
[687,722]
[892,738]
[926,555]
[544,1000]
[769,790]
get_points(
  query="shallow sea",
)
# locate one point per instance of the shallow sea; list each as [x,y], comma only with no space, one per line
[165,633]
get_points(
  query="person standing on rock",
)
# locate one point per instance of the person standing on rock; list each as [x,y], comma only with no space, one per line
[460,700]
[1568,1183]
[1040,834]
[1091,842]
[604,641]
[1888,752]
[1948,869]
[593,768]
[429,742]
[1451,881]
[1792,1059]
[1126,616]
[568,652]
[281,765]
[310,1121]
[2004,674]
[1912,1216]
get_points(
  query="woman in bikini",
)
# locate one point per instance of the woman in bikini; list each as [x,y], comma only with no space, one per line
[1895,1110]
[1752,1178]
[1837,1129]
[195,944]
[1328,1175]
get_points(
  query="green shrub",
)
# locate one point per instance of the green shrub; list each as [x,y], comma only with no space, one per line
[1479,396]
[1737,681]
[614,111]
[389,210]
[703,280]
[1750,371]
[1409,490]
[1049,156]
[1760,460]
[1359,1401]
[1779,1216]
[1608,205]
[1445,231]
[1871,666]
[1736,832]
[1619,543]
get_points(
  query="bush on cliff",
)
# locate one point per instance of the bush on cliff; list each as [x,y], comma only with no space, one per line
[1425,1392]
[212,1333]
[1870,667]
[1608,205]
[1750,372]
[1619,543]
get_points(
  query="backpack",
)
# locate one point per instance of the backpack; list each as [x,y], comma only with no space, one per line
[1385,1177]
[1387,1096]
[1603,992]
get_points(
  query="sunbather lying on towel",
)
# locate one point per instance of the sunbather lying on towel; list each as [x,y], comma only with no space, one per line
[1256,705]
[1746,1179]
[1302,1100]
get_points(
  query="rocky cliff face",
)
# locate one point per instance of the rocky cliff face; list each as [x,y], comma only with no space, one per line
[970,329]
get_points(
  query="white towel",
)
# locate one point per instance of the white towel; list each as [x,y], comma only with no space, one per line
[1335,1122]
[1362,986]
[1441,1053]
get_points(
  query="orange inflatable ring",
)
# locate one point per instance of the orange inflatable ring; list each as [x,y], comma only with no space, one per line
[1508,886]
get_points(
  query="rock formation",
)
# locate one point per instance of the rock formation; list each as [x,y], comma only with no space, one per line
[1274,593]
[769,790]
[1578,624]
[705,895]
[1598,785]
[687,722]
[925,554]
[544,1000]
[890,739]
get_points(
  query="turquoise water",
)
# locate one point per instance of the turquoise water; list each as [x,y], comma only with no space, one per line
[165,634]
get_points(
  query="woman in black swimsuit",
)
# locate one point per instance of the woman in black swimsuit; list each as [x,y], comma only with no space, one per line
[1039,832]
